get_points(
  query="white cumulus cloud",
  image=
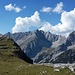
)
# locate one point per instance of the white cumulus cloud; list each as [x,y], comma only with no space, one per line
[11,7]
[46,9]
[66,25]
[58,8]
[23,24]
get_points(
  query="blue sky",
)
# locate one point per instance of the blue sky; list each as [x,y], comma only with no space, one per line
[47,15]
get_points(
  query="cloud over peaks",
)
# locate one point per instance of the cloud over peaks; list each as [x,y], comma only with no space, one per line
[66,25]
[11,7]
[23,24]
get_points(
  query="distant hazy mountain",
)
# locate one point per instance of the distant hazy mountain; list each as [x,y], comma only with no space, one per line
[44,47]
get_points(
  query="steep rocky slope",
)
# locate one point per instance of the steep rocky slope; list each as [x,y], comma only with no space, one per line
[66,50]
[33,42]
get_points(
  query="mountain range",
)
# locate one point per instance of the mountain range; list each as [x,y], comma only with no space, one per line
[45,47]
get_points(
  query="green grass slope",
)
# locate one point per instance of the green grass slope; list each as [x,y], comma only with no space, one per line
[14,62]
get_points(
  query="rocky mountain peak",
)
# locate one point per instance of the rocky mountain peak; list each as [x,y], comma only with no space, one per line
[71,39]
